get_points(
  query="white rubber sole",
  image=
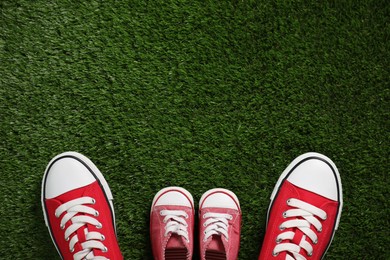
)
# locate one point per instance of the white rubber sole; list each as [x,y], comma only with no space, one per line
[215,190]
[89,164]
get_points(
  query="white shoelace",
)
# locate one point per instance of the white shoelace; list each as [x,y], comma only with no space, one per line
[216,224]
[307,216]
[175,222]
[93,239]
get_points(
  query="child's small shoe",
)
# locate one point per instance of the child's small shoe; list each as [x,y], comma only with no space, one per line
[220,225]
[172,224]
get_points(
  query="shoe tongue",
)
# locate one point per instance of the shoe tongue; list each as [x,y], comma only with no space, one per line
[74,194]
[297,237]
[81,235]
[216,244]
[175,248]
[175,241]
[215,250]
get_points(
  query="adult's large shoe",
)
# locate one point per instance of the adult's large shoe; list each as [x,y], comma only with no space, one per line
[305,210]
[78,209]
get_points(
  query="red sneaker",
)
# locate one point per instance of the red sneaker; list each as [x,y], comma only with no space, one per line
[305,210]
[78,209]
[172,224]
[220,225]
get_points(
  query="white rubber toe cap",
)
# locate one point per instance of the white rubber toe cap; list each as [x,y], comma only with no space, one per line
[173,196]
[316,174]
[65,174]
[219,198]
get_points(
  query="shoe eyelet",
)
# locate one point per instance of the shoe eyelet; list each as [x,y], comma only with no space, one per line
[278,241]
[161,213]
[96,213]
[62,226]
[99,226]
[93,201]
[67,239]
[309,254]
[288,201]
[105,249]
[204,216]
[103,237]
[285,214]
[319,230]
[72,250]
[315,242]
[186,216]
[281,228]
[204,224]
[274,254]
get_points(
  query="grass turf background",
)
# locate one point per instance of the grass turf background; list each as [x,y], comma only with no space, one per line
[197,94]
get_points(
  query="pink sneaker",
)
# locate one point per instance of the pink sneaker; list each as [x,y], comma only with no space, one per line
[305,210]
[172,224]
[78,209]
[220,225]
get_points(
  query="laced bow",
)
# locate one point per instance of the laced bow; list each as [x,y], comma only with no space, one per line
[175,222]
[303,216]
[216,224]
[94,240]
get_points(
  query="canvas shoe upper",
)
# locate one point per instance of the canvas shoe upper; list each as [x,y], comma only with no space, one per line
[305,210]
[172,224]
[219,224]
[78,209]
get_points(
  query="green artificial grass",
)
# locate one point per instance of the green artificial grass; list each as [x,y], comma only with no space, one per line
[198,94]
